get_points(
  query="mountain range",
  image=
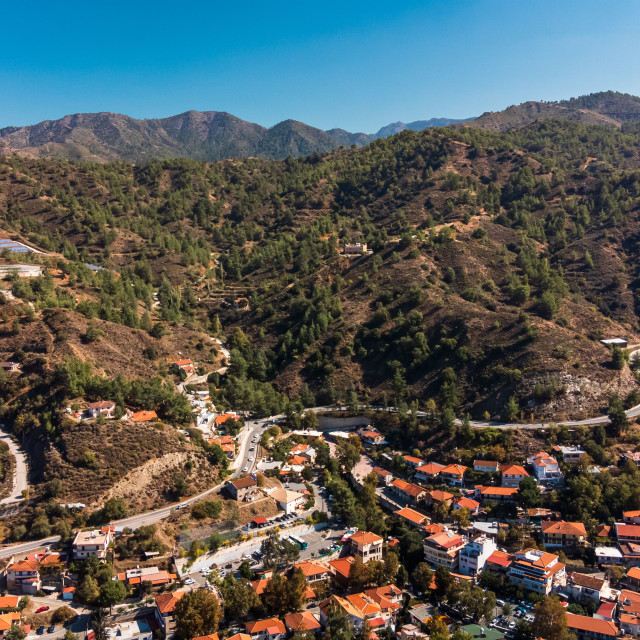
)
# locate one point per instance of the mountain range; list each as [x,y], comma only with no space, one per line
[215,135]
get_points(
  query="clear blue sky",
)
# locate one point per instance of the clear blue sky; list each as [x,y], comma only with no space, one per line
[351,64]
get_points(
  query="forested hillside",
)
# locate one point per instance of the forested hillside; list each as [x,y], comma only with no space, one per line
[498,262]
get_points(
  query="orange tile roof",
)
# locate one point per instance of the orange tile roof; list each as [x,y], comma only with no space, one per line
[467,503]
[514,470]
[381,472]
[486,463]
[212,636]
[630,514]
[563,528]
[440,496]
[412,459]
[268,624]
[29,564]
[634,573]
[364,603]
[501,558]
[299,448]
[7,619]
[240,636]
[365,537]
[499,491]
[445,539]
[311,568]
[344,604]
[244,483]
[431,468]
[342,566]
[9,602]
[304,621]
[166,602]
[411,515]
[144,416]
[430,529]
[297,460]
[408,488]
[223,417]
[455,470]
[591,625]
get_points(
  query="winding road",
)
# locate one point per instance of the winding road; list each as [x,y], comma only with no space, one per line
[20,474]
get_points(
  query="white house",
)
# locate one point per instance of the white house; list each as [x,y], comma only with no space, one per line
[287,500]
[546,469]
[474,556]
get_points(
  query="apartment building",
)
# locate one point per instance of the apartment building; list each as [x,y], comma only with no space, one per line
[537,571]
[473,557]
[442,549]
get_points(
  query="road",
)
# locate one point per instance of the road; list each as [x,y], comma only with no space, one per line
[20,476]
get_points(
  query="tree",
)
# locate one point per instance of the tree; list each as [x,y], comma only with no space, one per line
[111,593]
[239,598]
[338,627]
[391,566]
[550,621]
[16,632]
[617,416]
[422,577]
[245,570]
[359,574]
[275,596]
[296,590]
[62,614]
[88,589]
[444,581]
[99,624]
[511,409]
[349,451]
[618,357]
[529,495]
[462,517]
[197,613]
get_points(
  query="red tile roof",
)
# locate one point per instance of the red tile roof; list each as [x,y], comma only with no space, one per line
[592,625]
[561,527]
[411,515]
[272,625]
[166,602]
[365,537]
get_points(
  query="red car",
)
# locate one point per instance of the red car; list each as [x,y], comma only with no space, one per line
[41,609]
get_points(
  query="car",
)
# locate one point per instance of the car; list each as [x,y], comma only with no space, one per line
[512,625]
[246,469]
[51,629]
[252,448]
[500,603]
[189,581]
[250,458]
[228,565]
[40,631]
[41,609]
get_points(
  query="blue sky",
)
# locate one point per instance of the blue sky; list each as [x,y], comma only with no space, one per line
[351,64]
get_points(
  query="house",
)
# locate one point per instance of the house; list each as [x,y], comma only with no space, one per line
[537,514]
[432,529]
[453,475]
[429,472]
[340,570]
[442,549]
[414,517]
[412,461]
[371,436]
[356,248]
[185,365]
[606,611]
[437,496]
[584,588]
[10,366]
[301,622]
[103,408]
[384,476]
[512,474]
[632,579]
[467,503]
[474,555]
[68,593]
[8,602]
[410,493]
[570,454]
[226,444]
[388,598]
[88,544]
[486,466]
[223,417]
[243,489]
[304,451]
[165,606]
[313,571]
[287,500]
[631,517]
[154,575]
[7,620]
[499,562]
[350,611]
[242,304]
[629,611]
[268,629]
[144,416]
[608,555]
[615,342]
[367,545]
[627,532]
[558,533]
[495,494]
[586,628]
[537,571]
[24,575]
[546,469]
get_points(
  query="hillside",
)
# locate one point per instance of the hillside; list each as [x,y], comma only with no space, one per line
[499,261]
[607,108]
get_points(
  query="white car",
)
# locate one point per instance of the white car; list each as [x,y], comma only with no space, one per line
[189,581]
[245,469]
[250,458]
[205,572]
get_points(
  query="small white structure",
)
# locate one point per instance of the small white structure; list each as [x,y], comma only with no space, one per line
[615,342]
[287,500]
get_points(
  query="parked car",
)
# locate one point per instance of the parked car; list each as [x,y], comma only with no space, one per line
[51,629]
[40,631]
[41,609]
[189,581]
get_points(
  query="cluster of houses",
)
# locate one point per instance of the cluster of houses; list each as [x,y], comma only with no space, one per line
[245,489]
[299,456]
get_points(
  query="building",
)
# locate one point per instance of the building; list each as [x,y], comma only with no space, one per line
[356,248]
[144,416]
[185,365]
[384,476]
[371,436]
[467,503]
[287,500]
[558,533]
[223,417]
[243,489]
[409,493]
[349,610]
[615,342]
[584,588]
[453,475]
[268,629]
[24,575]
[340,570]
[442,549]
[313,571]
[586,628]
[499,562]
[570,454]
[154,575]
[7,620]
[474,555]
[10,366]
[537,571]
[631,517]
[414,517]
[546,469]
[627,532]
[412,461]
[495,494]
[103,408]
[512,474]
[486,466]
[8,602]
[301,622]
[429,472]
[437,496]
[92,544]
[165,606]
[608,555]
[367,545]
[227,445]
[537,514]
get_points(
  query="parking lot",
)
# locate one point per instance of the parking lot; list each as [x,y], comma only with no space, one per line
[520,610]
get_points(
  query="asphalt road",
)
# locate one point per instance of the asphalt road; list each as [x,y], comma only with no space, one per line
[20,476]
